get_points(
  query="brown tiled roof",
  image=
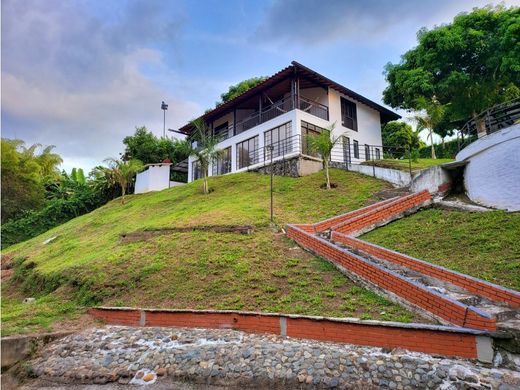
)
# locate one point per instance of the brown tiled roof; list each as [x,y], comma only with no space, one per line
[295,67]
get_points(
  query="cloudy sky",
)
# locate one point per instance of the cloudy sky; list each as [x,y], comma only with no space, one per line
[82,74]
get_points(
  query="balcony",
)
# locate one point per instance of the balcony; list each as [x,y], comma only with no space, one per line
[275,109]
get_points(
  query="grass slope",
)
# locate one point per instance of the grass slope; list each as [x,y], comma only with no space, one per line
[86,264]
[403,165]
[485,245]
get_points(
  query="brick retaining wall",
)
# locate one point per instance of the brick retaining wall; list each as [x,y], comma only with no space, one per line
[469,283]
[433,302]
[384,211]
[433,339]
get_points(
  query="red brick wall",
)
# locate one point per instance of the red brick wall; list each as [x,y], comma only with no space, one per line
[429,341]
[248,323]
[382,212]
[328,223]
[434,340]
[473,285]
[452,311]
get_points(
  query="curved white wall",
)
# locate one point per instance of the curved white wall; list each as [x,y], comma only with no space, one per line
[492,175]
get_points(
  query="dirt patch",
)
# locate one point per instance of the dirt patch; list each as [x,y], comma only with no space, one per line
[146,234]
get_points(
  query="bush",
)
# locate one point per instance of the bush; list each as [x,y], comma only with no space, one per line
[449,150]
[57,211]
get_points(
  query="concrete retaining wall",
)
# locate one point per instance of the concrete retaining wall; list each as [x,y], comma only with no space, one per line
[492,174]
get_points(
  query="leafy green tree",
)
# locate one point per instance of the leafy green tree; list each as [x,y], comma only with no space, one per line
[399,136]
[123,172]
[323,143]
[466,66]
[24,172]
[239,88]
[144,146]
[203,146]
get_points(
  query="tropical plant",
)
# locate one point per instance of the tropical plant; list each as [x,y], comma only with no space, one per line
[323,143]
[431,117]
[123,172]
[202,145]
[398,137]
[24,174]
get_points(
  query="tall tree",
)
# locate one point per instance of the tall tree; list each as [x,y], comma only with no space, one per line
[399,136]
[466,66]
[430,119]
[203,146]
[123,172]
[323,143]
[239,88]
[24,173]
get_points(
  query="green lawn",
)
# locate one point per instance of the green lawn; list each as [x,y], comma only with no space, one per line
[86,264]
[403,165]
[485,245]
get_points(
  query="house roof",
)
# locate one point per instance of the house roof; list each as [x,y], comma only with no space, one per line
[295,67]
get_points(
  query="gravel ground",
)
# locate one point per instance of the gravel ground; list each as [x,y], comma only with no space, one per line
[161,357]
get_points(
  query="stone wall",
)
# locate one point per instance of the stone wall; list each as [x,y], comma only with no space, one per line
[292,167]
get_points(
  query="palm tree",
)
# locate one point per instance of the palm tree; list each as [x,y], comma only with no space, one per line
[432,117]
[323,143]
[123,172]
[205,151]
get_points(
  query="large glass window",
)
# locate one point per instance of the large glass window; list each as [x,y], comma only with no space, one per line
[280,139]
[348,114]
[223,164]
[309,130]
[346,150]
[356,149]
[367,152]
[196,172]
[247,152]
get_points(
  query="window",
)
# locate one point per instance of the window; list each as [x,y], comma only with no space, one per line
[378,154]
[196,172]
[346,150]
[280,139]
[247,152]
[223,164]
[309,130]
[367,152]
[356,149]
[348,114]
[221,131]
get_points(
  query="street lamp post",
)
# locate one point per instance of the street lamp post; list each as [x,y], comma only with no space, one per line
[164,107]
[271,148]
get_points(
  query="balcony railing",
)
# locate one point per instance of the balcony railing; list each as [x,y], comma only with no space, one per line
[272,111]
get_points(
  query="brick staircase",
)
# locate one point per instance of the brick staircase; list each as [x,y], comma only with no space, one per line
[438,293]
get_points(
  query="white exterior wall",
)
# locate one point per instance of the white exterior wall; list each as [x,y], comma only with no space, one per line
[492,175]
[155,178]
[369,126]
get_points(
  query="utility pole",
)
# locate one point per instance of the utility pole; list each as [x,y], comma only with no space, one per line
[164,107]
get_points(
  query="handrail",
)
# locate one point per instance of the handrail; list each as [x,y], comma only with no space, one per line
[490,120]
[273,110]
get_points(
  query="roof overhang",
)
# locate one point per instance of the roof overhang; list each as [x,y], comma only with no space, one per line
[294,69]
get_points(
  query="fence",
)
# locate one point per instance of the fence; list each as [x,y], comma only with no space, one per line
[489,121]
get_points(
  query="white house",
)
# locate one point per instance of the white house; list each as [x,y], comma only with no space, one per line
[271,121]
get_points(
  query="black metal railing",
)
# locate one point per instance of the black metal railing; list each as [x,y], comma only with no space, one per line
[272,111]
[314,108]
[489,121]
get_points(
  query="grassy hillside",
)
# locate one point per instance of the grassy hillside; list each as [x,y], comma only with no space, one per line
[86,264]
[484,245]
[403,165]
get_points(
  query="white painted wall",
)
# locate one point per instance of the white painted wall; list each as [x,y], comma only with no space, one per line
[154,178]
[492,174]
[369,126]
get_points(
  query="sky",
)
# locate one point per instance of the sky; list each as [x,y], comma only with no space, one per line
[82,74]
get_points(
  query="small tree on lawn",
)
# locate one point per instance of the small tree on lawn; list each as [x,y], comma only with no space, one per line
[123,172]
[430,120]
[205,151]
[323,143]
